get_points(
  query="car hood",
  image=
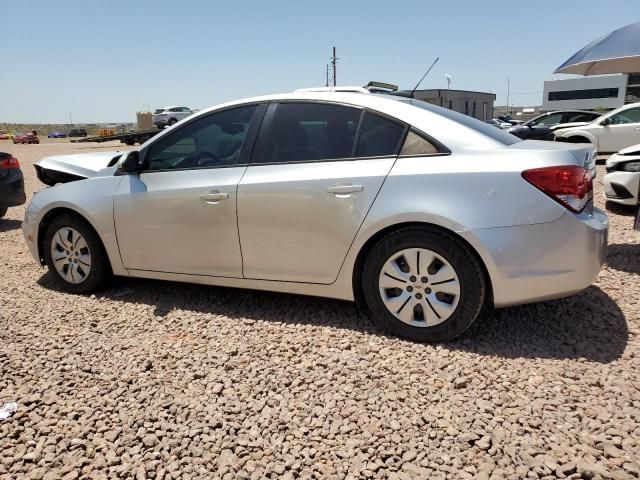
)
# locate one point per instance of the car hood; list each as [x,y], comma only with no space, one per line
[568,125]
[631,153]
[69,168]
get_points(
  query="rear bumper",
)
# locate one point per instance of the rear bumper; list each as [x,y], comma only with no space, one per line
[531,263]
[12,190]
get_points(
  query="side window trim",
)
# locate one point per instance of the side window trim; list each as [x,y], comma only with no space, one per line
[266,123]
[356,140]
[252,133]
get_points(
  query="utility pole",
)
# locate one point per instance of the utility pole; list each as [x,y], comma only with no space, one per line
[327,83]
[334,60]
[70,119]
[508,111]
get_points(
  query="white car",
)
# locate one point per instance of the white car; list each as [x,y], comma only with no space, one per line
[167,116]
[622,181]
[610,133]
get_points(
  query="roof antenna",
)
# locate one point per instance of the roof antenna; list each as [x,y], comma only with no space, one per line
[423,77]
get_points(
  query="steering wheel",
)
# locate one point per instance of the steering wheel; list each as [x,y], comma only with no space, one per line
[207,159]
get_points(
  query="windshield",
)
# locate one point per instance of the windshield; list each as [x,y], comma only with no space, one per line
[486,129]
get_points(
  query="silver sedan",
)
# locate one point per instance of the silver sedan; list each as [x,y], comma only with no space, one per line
[423,215]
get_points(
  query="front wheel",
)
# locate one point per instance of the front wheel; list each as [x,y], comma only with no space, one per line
[423,284]
[3,212]
[75,256]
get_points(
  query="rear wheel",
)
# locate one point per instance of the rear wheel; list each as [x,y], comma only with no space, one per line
[423,284]
[172,121]
[75,255]
[3,212]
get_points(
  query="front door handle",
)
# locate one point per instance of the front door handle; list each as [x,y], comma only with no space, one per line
[345,189]
[213,196]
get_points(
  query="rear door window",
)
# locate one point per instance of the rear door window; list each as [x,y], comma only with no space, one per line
[306,132]
[379,136]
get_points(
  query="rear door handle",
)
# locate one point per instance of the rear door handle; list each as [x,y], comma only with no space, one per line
[213,196]
[345,189]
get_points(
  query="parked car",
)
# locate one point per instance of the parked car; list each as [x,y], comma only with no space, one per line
[622,181]
[610,132]
[57,135]
[26,138]
[541,127]
[419,213]
[6,136]
[499,123]
[78,132]
[167,116]
[11,183]
[509,119]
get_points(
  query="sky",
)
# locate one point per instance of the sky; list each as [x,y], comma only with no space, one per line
[103,60]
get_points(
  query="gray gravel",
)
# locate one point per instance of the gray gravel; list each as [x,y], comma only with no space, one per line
[163,380]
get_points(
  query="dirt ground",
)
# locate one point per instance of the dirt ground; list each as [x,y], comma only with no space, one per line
[165,380]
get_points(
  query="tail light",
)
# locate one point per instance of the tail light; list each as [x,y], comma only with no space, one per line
[9,163]
[571,186]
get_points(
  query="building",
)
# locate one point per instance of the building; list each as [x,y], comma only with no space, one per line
[474,104]
[591,93]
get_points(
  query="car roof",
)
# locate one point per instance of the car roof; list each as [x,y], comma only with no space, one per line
[453,129]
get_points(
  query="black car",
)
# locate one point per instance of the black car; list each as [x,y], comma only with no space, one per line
[540,127]
[78,132]
[11,183]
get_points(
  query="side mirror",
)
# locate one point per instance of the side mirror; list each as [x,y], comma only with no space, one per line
[129,163]
[605,122]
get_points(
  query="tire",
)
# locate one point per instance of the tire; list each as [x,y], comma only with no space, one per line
[129,141]
[3,212]
[86,279]
[172,121]
[446,314]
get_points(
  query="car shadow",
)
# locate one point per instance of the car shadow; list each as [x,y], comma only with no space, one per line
[588,325]
[622,210]
[8,224]
[624,257]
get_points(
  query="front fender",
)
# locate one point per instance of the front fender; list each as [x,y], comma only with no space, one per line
[92,200]
[568,134]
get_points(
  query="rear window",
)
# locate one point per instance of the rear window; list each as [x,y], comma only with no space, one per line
[486,129]
[158,110]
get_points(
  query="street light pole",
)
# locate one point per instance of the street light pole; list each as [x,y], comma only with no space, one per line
[448,77]
[70,119]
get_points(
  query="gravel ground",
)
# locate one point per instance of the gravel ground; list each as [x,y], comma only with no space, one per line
[164,380]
